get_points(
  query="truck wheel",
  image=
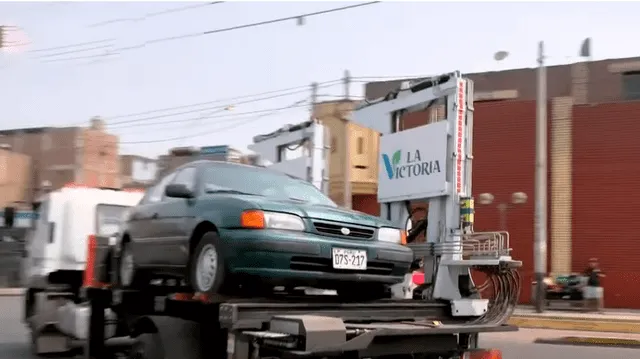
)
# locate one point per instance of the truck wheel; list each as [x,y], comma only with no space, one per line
[128,273]
[148,346]
[207,268]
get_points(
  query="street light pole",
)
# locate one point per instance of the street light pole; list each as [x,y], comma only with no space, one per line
[348,197]
[503,208]
[540,243]
[517,198]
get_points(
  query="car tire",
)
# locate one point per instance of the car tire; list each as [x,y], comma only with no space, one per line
[207,267]
[128,274]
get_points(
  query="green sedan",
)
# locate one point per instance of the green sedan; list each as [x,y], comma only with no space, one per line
[225,227]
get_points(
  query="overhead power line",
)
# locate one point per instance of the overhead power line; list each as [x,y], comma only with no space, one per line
[232,120]
[388,78]
[207,116]
[155,14]
[300,18]
[187,109]
[76,45]
[210,119]
[93,48]
[222,102]
[235,125]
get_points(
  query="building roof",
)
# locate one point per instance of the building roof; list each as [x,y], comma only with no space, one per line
[14,131]
[558,76]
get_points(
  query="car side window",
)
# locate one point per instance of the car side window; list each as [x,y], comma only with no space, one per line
[157,192]
[186,177]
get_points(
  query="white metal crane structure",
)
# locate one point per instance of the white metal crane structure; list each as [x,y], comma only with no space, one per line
[433,163]
[310,137]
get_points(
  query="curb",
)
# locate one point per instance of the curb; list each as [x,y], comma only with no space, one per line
[592,342]
[11,292]
[628,326]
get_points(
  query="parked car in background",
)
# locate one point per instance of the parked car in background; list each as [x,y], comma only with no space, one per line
[225,227]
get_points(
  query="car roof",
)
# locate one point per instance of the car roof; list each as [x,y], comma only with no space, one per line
[211,163]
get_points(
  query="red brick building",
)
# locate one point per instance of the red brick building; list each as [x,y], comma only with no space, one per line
[60,155]
[593,175]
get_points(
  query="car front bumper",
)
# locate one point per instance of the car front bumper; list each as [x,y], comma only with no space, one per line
[301,258]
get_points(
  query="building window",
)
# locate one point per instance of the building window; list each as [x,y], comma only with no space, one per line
[631,85]
[360,145]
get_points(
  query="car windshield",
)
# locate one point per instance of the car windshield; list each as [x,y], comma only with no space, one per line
[260,182]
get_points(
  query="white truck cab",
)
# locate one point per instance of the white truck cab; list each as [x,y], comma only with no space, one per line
[55,258]
[56,246]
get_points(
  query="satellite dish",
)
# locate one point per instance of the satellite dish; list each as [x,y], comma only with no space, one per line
[500,55]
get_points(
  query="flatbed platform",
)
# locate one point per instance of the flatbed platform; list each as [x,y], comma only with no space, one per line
[309,327]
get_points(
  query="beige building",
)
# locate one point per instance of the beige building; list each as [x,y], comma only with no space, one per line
[353,142]
[15,178]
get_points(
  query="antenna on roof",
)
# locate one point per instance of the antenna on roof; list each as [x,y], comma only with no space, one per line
[585,49]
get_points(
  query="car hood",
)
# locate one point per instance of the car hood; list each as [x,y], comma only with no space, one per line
[315,211]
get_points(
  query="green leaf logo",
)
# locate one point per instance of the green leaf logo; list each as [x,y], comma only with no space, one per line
[396,158]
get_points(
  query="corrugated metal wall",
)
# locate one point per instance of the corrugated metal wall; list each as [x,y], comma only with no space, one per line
[504,163]
[606,178]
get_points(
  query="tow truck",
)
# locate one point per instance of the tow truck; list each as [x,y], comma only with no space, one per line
[433,164]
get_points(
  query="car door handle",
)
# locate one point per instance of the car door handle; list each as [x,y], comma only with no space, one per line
[154,216]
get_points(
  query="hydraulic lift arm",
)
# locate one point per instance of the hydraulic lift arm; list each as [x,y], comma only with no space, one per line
[433,163]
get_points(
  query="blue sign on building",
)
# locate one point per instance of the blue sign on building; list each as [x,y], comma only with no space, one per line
[214,150]
[21,219]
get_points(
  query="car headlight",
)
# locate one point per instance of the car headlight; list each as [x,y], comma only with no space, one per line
[272,220]
[391,235]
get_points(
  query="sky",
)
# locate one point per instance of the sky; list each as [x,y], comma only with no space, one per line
[132,80]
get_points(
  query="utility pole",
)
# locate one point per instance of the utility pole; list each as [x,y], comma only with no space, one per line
[347,145]
[2,40]
[540,242]
[313,99]
[309,145]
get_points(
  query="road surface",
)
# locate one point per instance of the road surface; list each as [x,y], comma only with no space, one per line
[518,345]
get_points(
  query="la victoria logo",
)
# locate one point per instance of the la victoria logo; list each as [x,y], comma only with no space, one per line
[413,166]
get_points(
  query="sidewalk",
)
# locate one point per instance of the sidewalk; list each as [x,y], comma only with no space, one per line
[617,321]
[607,315]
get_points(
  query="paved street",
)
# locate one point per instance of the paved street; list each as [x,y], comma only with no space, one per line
[519,345]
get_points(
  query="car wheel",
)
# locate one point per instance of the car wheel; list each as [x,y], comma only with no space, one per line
[207,269]
[128,273]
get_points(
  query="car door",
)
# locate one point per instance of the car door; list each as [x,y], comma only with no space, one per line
[142,226]
[174,219]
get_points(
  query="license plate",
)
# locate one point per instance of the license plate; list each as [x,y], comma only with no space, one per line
[349,259]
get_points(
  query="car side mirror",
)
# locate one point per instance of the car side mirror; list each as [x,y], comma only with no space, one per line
[178,191]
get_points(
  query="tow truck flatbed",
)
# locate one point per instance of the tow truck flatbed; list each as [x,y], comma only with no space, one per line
[362,327]
[245,314]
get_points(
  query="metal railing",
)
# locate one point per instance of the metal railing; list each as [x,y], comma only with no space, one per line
[486,245]
[479,245]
